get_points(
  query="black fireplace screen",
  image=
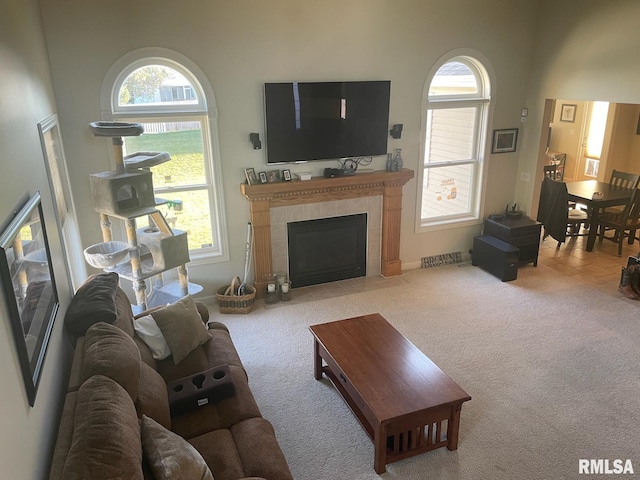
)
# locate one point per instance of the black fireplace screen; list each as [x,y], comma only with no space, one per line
[327,249]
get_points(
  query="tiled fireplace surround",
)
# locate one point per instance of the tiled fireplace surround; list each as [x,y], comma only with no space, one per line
[273,205]
[280,216]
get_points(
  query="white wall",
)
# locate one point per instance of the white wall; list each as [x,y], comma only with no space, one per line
[625,146]
[26,98]
[585,50]
[242,44]
[566,137]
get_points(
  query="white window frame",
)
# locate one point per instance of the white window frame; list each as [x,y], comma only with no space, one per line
[481,100]
[203,111]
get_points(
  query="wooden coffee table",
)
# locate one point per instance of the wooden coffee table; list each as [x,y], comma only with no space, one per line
[403,400]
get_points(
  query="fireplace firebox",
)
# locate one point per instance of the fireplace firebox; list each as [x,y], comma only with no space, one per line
[327,249]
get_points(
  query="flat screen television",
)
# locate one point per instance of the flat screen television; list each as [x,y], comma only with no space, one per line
[326,120]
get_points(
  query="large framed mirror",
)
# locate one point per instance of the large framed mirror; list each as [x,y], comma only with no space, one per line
[29,289]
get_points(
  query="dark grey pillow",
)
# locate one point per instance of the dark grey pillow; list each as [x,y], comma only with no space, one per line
[93,302]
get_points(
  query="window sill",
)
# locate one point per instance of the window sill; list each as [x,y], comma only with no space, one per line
[447,224]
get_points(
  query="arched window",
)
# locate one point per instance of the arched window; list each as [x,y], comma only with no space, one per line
[169,100]
[455,118]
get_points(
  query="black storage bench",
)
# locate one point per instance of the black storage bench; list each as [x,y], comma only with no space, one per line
[496,256]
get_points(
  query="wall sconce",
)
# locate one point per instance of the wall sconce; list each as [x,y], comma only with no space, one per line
[396,130]
[254,138]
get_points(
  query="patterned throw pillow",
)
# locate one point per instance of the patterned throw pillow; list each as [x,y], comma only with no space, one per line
[169,455]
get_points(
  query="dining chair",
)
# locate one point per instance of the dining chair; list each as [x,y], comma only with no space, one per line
[624,179]
[558,219]
[559,160]
[624,223]
[551,171]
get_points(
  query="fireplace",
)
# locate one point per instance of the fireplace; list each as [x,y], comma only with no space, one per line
[327,249]
[266,199]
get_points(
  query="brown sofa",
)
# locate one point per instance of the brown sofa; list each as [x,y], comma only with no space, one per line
[116,420]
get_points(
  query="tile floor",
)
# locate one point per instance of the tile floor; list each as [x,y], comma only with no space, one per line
[599,268]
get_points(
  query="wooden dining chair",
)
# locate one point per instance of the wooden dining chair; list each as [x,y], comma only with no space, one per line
[559,160]
[625,223]
[577,217]
[624,179]
[551,171]
[558,219]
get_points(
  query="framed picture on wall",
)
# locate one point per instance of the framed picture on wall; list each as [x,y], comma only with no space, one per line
[504,140]
[568,112]
[29,288]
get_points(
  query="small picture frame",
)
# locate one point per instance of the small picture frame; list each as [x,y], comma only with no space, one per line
[263,177]
[568,112]
[504,140]
[250,174]
[274,176]
[286,175]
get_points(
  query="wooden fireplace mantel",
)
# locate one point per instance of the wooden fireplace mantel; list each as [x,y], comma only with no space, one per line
[263,197]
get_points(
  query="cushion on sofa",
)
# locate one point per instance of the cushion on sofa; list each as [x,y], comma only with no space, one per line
[93,302]
[259,450]
[64,438]
[218,351]
[219,450]
[153,400]
[221,414]
[170,456]
[106,438]
[111,352]
[124,313]
[182,327]
[149,331]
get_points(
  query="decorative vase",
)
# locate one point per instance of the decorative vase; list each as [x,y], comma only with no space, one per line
[397,161]
[389,162]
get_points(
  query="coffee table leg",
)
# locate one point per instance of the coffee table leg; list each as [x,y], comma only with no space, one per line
[380,450]
[454,427]
[317,361]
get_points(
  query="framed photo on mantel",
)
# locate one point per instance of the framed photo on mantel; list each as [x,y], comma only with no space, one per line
[250,174]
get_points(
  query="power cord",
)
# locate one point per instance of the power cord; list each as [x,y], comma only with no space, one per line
[354,163]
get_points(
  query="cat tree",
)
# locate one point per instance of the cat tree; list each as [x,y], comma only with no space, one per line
[127,194]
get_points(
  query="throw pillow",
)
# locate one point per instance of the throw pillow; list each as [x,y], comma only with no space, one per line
[106,437]
[182,327]
[111,352]
[93,302]
[169,455]
[148,330]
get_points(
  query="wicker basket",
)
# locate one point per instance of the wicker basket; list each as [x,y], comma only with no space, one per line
[233,303]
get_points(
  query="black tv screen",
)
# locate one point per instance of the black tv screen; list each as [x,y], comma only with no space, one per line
[326,120]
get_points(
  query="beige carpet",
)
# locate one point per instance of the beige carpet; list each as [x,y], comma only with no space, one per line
[552,369]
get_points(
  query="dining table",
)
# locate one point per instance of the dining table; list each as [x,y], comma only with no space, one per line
[607,195]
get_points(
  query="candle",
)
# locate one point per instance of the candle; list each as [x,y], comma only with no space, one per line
[271,287]
[285,288]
